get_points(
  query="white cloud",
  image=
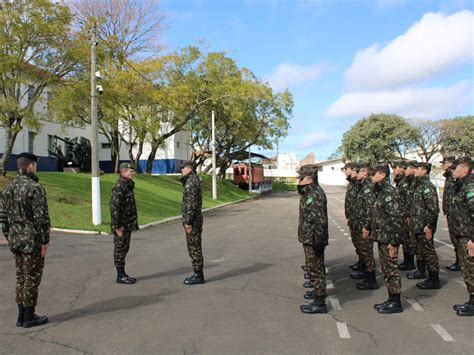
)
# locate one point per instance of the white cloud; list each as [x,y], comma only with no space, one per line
[287,74]
[431,45]
[409,102]
[313,139]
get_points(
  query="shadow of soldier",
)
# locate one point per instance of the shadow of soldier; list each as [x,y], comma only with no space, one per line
[241,271]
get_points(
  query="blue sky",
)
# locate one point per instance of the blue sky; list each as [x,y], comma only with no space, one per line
[341,59]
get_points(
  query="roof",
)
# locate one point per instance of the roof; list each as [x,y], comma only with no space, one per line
[331,161]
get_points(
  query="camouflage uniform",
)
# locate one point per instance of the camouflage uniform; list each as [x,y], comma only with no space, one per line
[462,226]
[192,216]
[349,200]
[123,214]
[385,229]
[448,193]
[402,184]
[408,198]
[424,213]
[363,206]
[313,233]
[26,227]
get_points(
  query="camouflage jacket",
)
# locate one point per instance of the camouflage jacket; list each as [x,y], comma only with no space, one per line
[461,216]
[424,208]
[448,191]
[399,179]
[363,204]
[407,195]
[192,199]
[403,188]
[26,217]
[387,215]
[351,194]
[313,222]
[123,209]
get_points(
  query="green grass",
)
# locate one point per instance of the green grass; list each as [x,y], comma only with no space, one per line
[279,186]
[158,197]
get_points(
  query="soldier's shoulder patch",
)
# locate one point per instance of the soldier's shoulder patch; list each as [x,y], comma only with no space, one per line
[309,201]
[470,194]
[427,191]
[388,198]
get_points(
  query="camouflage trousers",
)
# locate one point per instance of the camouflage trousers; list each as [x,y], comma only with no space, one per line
[29,270]
[354,238]
[407,241]
[366,249]
[466,263]
[121,247]
[194,243]
[427,252]
[452,236]
[316,269]
[391,273]
[413,241]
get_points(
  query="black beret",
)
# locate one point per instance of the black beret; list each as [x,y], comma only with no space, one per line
[28,156]
[383,167]
[189,163]
[464,160]
[448,158]
[348,165]
[402,163]
[411,163]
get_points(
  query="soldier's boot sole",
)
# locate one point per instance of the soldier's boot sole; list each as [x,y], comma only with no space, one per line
[36,321]
[194,282]
[468,312]
[377,306]
[461,307]
[313,309]
[428,286]
[124,281]
[390,308]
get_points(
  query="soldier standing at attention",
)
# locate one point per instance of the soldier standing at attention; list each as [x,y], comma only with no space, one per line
[447,201]
[423,219]
[123,219]
[192,220]
[313,234]
[26,227]
[462,226]
[386,224]
[363,208]
[402,184]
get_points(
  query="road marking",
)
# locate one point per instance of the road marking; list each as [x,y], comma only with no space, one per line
[461,282]
[445,229]
[349,238]
[415,305]
[342,230]
[442,332]
[343,330]
[329,284]
[327,269]
[444,243]
[443,271]
[346,233]
[338,199]
[335,303]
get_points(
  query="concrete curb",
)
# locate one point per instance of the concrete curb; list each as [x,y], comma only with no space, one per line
[148,225]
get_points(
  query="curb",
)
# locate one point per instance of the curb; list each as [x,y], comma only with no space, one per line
[78,231]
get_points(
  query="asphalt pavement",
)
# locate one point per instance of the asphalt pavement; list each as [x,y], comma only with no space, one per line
[249,305]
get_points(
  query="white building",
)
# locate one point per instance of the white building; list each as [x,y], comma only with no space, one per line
[329,172]
[37,141]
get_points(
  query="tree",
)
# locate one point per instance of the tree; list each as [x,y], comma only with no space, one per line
[36,52]
[379,137]
[336,154]
[458,136]
[428,140]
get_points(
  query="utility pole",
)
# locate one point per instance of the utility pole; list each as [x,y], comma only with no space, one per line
[96,213]
[214,175]
[250,170]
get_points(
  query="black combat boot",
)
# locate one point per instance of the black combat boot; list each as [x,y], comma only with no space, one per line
[306,276]
[21,316]
[304,268]
[131,278]
[356,266]
[408,262]
[431,283]
[33,320]
[318,306]
[309,295]
[454,266]
[122,278]
[394,305]
[378,305]
[359,274]
[459,307]
[419,273]
[196,279]
[308,284]
[370,283]
[467,309]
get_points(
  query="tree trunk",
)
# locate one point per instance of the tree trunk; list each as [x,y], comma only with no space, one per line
[10,137]
[115,149]
[136,162]
[151,157]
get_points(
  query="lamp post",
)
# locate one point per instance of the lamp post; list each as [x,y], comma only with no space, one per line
[214,175]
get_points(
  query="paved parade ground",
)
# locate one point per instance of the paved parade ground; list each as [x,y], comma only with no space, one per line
[249,305]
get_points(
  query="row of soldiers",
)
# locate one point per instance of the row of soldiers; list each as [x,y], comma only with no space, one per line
[408,214]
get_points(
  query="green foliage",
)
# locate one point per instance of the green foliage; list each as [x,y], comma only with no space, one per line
[379,137]
[458,136]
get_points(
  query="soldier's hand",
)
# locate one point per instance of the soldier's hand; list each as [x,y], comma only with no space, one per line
[428,233]
[392,250]
[188,229]
[44,249]
[119,232]
[470,248]
[365,233]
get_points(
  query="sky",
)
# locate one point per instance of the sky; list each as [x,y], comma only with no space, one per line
[341,59]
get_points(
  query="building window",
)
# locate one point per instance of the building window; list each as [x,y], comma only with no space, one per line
[50,144]
[31,93]
[106,146]
[31,139]
[177,144]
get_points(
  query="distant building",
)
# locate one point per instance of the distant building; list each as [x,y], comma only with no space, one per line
[309,159]
[329,172]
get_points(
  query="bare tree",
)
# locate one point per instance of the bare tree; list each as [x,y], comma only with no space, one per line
[428,142]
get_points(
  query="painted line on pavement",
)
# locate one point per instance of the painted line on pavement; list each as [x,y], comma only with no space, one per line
[349,238]
[342,230]
[337,198]
[415,305]
[442,332]
[443,271]
[343,330]
[444,243]
[329,284]
[334,303]
[461,282]
[346,233]
[445,229]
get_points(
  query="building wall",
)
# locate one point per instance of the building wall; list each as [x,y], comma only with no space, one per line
[330,173]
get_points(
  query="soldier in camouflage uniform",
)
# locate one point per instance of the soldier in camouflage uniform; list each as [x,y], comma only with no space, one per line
[351,192]
[402,184]
[447,201]
[123,219]
[386,225]
[462,227]
[423,220]
[363,206]
[26,227]
[313,234]
[193,220]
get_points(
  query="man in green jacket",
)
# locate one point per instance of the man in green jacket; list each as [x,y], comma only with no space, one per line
[448,192]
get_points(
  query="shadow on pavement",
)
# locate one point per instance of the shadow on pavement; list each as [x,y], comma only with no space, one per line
[242,271]
[178,271]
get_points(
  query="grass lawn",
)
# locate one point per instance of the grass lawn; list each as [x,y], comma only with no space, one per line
[279,186]
[158,197]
